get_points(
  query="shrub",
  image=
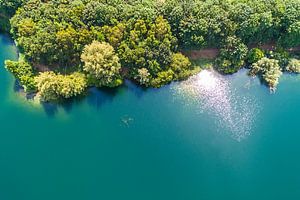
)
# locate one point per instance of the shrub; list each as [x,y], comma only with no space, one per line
[255,55]
[143,76]
[180,65]
[281,55]
[268,69]
[293,66]
[162,78]
[24,72]
[52,87]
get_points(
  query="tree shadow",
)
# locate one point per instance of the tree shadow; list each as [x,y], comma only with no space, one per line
[6,39]
[19,89]
[137,90]
[52,108]
[94,97]
[97,97]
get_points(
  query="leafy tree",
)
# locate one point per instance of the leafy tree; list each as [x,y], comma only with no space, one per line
[269,70]
[255,55]
[163,78]
[54,87]
[293,66]
[281,55]
[290,23]
[232,56]
[143,76]
[98,14]
[114,35]
[292,38]
[51,33]
[147,45]
[102,64]
[180,65]
[24,72]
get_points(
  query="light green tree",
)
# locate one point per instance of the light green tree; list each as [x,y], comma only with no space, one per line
[102,64]
[143,76]
[52,87]
[293,66]
[269,70]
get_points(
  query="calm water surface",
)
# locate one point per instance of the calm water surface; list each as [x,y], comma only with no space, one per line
[208,138]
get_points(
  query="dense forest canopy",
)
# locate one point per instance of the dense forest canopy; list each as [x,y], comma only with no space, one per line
[145,36]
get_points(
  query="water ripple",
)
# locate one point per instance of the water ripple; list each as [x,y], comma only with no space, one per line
[233,112]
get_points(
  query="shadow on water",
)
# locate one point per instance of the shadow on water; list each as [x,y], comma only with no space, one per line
[97,97]
[6,40]
[94,97]
[52,108]
[137,90]
[19,89]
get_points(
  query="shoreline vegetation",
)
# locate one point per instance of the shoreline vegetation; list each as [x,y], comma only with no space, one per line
[67,46]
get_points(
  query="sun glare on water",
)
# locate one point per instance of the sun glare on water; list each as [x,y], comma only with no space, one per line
[207,80]
[211,93]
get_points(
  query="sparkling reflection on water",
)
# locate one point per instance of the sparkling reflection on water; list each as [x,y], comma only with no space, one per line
[232,111]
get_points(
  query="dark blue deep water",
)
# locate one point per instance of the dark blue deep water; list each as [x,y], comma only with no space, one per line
[208,138]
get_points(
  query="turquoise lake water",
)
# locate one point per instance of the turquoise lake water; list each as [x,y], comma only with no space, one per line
[210,138]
